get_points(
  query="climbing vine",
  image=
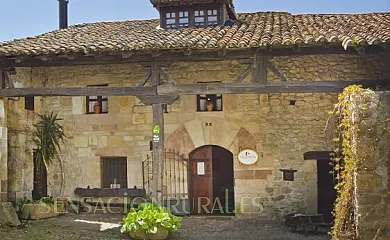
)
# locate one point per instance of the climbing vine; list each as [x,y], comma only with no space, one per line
[349,111]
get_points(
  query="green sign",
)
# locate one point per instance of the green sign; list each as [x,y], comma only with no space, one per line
[156,129]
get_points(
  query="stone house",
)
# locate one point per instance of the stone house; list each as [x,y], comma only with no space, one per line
[272,77]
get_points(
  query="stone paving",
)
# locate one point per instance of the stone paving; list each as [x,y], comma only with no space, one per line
[106,227]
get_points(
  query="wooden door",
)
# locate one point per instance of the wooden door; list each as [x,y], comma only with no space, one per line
[326,192]
[201,180]
[40,181]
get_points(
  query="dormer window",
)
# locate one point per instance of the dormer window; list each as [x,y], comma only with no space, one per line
[198,17]
[191,13]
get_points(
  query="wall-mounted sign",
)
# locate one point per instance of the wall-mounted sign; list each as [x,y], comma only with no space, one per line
[248,157]
[156,133]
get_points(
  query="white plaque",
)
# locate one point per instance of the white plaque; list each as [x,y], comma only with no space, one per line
[248,157]
[200,168]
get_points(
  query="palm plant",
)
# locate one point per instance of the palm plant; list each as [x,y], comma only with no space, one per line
[48,136]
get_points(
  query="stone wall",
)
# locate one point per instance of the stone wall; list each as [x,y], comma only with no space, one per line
[3,152]
[373,177]
[269,123]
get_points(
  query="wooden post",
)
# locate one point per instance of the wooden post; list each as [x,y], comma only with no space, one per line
[158,139]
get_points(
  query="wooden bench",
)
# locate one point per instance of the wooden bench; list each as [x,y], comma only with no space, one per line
[305,222]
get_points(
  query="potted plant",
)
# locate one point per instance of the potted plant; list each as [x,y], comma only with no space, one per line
[209,105]
[28,209]
[150,221]
[97,107]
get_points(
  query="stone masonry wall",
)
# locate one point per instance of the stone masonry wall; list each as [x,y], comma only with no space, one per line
[3,152]
[281,133]
[374,171]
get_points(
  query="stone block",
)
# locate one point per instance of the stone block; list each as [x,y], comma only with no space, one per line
[102,142]
[82,152]
[139,118]
[244,174]
[8,215]
[36,211]
[77,105]
[116,141]
[81,142]
[262,174]
[93,141]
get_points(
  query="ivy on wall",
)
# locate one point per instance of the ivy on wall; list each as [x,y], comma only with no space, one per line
[349,111]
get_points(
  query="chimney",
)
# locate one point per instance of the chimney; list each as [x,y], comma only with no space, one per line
[63,13]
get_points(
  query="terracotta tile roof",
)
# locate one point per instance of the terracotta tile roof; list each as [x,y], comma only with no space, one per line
[274,29]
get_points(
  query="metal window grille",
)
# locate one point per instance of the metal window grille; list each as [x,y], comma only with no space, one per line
[114,171]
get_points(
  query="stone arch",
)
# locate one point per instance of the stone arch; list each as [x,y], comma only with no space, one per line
[207,131]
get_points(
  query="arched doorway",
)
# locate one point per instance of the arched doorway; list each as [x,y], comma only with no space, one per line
[211,181]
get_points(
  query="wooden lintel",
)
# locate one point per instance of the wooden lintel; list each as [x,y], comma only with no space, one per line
[166,76]
[162,99]
[78,91]
[275,71]
[8,79]
[146,78]
[317,155]
[269,87]
[243,75]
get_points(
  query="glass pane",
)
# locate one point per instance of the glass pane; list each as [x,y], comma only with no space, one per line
[168,15]
[200,168]
[173,15]
[92,97]
[209,12]
[201,13]
[183,20]
[171,21]
[181,14]
[202,105]
[215,12]
[219,104]
[185,14]
[196,13]
[199,19]
[104,106]
[213,19]
[90,107]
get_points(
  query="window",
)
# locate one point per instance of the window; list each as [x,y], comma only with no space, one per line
[184,19]
[101,103]
[170,20]
[212,17]
[188,17]
[205,99]
[114,171]
[199,18]
[29,103]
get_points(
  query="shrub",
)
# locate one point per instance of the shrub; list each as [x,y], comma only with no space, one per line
[149,218]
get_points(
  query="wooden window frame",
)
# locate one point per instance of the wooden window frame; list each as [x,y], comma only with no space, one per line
[191,15]
[213,98]
[99,99]
[105,181]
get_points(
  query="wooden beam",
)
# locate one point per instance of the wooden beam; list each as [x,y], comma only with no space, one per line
[9,80]
[275,71]
[263,68]
[172,56]
[162,99]
[1,78]
[158,146]
[243,75]
[259,68]
[269,87]
[78,91]
[317,155]
[166,76]
[146,78]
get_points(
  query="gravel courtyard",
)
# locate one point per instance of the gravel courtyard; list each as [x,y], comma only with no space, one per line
[106,227]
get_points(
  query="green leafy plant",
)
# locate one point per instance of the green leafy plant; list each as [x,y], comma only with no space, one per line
[149,218]
[48,136]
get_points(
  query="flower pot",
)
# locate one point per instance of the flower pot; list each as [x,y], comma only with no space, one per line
[210,107]
[97,109]
[161,234]
[36,211]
